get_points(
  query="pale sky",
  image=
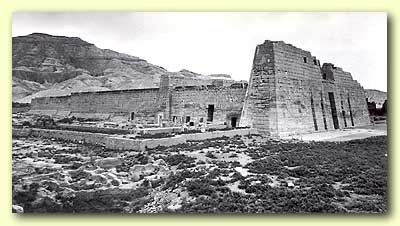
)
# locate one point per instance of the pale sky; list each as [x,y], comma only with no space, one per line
[224,43]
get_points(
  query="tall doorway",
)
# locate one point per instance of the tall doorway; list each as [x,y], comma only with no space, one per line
[210,115]
[233,122]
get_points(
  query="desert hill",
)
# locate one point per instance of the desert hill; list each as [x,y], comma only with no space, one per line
[46,65]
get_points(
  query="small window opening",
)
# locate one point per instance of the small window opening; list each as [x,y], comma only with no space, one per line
[305,59]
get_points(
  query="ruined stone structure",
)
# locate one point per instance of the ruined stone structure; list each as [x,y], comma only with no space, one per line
[169,104]
[289,92]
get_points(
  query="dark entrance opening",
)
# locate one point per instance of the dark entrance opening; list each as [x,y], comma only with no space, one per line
[344,118]
[187,119]
[313,113]
[343,111]
[210,115]
[333,109]
[351,113]
[233,122]
[132,115]
[323,112]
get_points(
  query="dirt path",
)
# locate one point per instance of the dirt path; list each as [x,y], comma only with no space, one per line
[344,134]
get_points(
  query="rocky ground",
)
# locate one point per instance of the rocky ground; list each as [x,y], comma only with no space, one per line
[248,174]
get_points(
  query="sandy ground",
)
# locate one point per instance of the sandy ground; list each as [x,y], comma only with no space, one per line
[378,129]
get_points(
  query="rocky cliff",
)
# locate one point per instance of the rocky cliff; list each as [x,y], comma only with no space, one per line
[46,65]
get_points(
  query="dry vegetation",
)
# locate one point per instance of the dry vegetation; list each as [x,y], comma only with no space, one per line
[243,174]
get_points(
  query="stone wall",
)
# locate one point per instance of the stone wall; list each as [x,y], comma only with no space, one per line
[260,101]
[144,103]
[74,136]
[298,83]
[350,97]
[196,102]
[289,93]
[122,144]
[150,106]
[180,80]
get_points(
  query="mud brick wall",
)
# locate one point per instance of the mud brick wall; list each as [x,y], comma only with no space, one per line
[50,103]
[174,103]
[194,102]
[178,80]
[143,102]
[289,93]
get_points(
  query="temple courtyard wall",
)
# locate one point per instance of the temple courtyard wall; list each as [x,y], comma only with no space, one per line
[102,104]
[219,105]
[178,105]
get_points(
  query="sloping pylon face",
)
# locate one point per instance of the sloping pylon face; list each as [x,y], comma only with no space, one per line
[260,91]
